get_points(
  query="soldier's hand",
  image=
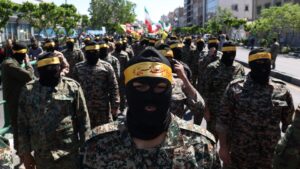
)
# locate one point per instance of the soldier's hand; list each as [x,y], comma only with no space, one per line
[179,70]
[225,155]
[28,161]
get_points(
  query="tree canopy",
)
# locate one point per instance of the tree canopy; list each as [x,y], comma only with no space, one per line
[6,9]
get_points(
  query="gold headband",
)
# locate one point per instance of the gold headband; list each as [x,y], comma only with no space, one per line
[103,46]
[148,69]
[213,41]
[71,40]
[49,44]
[48,61]
[229,49]
[94,47]
[167,53]
[21,51]
[200,40]
[176,45]
[86,39]
[261,55]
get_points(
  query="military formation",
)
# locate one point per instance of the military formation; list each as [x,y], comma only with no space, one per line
[122,102]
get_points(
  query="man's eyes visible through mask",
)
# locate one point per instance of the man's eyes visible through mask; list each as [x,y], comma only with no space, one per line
[159,88]
[141,87]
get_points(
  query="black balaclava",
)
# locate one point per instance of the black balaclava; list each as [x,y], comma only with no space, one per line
[70,44]
[104,50]
[143,124]
[188,41]
[229,53]
[200,45]
[213,43]
[92,53]
[49,69]
[19,52]
[176,47]
[49,45]
[260,65]
[119,46]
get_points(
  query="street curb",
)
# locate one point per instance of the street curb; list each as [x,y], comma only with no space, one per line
[279,75]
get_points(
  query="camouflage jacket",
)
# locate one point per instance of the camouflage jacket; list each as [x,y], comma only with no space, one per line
[188,54]
[101,90]
[52,119]
[251,113]
[216,78]
[180,100]
[6,161]
[130,51]
[73,57]
[287,152]
[114,63]
[185,146]
[123,59]
[203,63]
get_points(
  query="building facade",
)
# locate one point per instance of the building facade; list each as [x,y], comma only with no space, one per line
[193,12]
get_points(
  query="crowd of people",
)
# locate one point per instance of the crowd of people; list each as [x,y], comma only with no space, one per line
[121,103]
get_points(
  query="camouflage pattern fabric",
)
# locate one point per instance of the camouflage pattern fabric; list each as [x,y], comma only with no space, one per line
[73,57]
[180,102]
[114,63]
[203,63]
[130,52]
[6,161]
[287,152]
[185,146]
[216,78]
[123,59]
[250,116]
[101,90]
[54,122]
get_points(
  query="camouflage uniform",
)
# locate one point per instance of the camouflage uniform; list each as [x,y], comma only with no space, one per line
[123,59]
[287,152]
[6,161]
[203,63]
[130,52]
[73,57]
[114,63]
[250,116]
[216,78]
[180,100]
[14,77]
[54,122]
[194,65]
[185,146]
[100,88]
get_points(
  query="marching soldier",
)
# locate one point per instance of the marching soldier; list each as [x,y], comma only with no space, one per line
[106,56]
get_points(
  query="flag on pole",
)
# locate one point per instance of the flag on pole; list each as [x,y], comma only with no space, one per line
[148,21]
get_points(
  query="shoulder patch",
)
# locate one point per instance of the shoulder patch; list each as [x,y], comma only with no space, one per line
[105,128]
[194,128]
[238,80]
[71,80]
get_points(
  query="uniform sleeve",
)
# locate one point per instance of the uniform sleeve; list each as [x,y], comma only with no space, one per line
[81,56]
[206,82]
[21,75]
[113,88]
[64,63]
[22,120]
[287,112]
[83,120]
[196,106]
[226,113]
[118,68]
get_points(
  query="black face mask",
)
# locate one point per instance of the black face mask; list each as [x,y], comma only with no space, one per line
[49,75]
[177,53]
[141,123]
[260,71]
[188,43]
[228,58]
[70,46]
[19,57]
[118,48]
[92,57]
[50,49]
[103,53]
[200,47]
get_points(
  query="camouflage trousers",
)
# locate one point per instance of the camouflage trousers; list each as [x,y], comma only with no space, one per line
[70,161]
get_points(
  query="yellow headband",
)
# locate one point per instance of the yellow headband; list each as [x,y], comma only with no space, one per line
[176,45]
[48,61]
[261,55]
[167,53]
[94,47]
[21,51]
[103,46]
[148,69]
[49,44]
[87,39]
[213,41]
[200,40]
[71,40]
[229,49]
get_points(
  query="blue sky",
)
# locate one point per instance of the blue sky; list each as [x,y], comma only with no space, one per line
[156,8]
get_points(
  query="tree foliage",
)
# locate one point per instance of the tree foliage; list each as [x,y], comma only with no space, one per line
[85,22]
[6,9]
[71,18]
[111,13]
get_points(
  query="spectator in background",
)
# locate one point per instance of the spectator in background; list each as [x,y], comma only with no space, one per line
[57,46]
[35,50]
[8,48]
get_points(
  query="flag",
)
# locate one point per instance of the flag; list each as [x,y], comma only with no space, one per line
[148,21]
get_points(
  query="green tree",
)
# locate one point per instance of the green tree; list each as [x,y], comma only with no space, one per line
[6,10]
[70,18]
[111,13]
[85,22]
